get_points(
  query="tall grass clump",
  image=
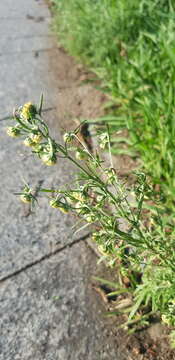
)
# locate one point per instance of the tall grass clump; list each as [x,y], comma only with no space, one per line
[130,45]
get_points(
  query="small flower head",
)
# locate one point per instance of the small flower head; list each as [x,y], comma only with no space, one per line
[36,138]
[63,209]
[166,319]
[68,137]
[26,195]
[13,131]
[81,208]
[48,159]
[56,204]
[99,198]
[103,250]
[111,175]
[95,236]
[26,198]
[29,142]
[90,218]
[77,196]
[103,140]
[81,154]
[37,148]
[28,111]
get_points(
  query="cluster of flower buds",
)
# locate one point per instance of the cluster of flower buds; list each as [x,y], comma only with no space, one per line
[73,200]
[35,131]
[80,202]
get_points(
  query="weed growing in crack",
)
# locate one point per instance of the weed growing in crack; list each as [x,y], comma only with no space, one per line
[128,224]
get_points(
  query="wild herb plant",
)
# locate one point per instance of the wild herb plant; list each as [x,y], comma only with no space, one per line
[129,225]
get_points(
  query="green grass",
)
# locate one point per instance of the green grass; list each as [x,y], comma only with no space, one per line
[130,45]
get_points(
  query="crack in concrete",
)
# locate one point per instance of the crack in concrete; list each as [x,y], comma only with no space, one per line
[10,117]
[43,258]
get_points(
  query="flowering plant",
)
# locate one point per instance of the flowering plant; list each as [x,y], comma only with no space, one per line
[134,235]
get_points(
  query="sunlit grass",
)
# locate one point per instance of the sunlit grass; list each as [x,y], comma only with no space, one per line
[130,46]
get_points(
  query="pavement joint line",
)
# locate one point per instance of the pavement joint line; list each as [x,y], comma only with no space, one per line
[9,117]
[27,51]
[42,258]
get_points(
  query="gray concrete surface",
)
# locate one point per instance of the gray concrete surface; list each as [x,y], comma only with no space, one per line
[48,310]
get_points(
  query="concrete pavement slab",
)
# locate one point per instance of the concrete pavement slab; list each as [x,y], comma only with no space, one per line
[25,44]
[22,7]
[48,311]
[23,78]
[11,28]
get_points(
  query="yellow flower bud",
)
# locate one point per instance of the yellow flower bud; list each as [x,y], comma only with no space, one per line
[166,319]
[48,160]
[102,250]
[77,196]
[63,209]
[90,218]
[36,138]
[28,111]
[54,203]
[68,137]
[78,207]
[26,198]
[29,142]
[81,154]
[13,131]
[103,140]
[95,236]
[99,198]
